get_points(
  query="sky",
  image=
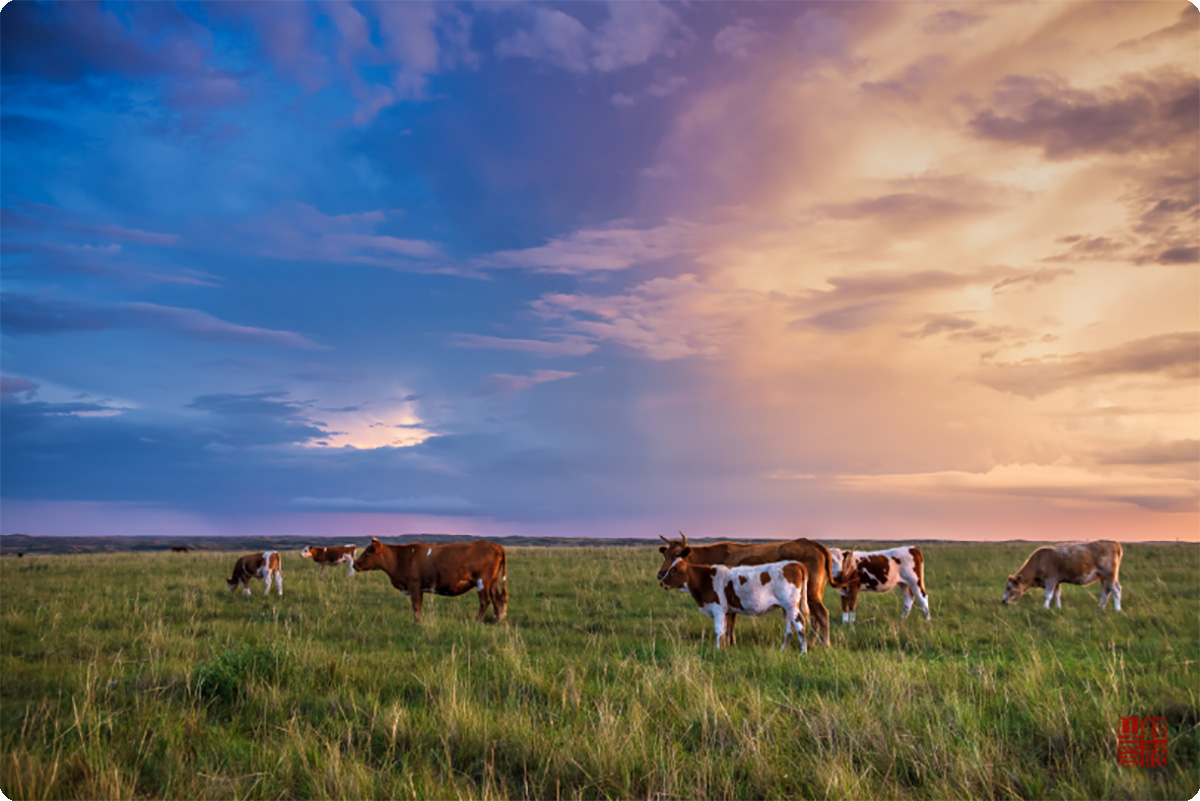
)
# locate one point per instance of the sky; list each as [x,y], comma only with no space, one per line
[843,270]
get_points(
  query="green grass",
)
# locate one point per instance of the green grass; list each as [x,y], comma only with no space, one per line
[137,675]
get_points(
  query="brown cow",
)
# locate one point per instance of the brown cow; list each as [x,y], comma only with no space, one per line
[263,565]
[179,548]
[331,555]
[1077,563]
[813,555]
[450,568]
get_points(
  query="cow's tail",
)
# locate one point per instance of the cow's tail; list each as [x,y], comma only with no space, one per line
[833,581]
[919,569]
[500,589]
[805,580]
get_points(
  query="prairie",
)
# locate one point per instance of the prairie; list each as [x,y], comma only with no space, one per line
[136,675]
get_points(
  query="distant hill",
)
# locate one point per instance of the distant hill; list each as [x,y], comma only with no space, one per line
[12,545]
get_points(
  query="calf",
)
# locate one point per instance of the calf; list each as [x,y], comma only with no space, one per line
[880,571]
[449,568]
[813,555]
[748,590]
[1077,563]
[263,565]
[331,555]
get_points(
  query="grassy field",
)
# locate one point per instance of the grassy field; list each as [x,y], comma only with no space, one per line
[138,676]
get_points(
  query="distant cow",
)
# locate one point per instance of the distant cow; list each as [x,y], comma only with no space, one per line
[179,548]
[1077,563]
[331,555]
[813,555]
[263,565]
[721,592]
[880,571]
[450,568]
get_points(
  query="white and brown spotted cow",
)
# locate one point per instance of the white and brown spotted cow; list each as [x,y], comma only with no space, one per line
[720,591]
[331,555]
[1076,563]
[813,555]
[265,566]
[448,568]
[880,571]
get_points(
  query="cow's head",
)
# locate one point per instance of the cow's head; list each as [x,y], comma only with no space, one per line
[372,557]
[675,576]
[1014,588]
[674,549]
[307,552]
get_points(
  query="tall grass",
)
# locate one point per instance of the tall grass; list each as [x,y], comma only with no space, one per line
[137,675]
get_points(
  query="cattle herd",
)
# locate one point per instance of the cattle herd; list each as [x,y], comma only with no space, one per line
[725,579]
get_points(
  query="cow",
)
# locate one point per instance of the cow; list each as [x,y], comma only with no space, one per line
[449,568]
[263,565]
[179,549]
[331,555]
[1076,563]
[880,571]
[722,592]
[813,555]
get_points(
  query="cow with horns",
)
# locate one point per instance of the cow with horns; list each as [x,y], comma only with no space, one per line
[813,555]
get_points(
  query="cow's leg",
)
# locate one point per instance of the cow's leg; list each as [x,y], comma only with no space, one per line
[350,564]
[730,621]
[279,581]
[416,597]
[908,600]
[845,606]
[719,624]
[923,600]
[1116,593]
[485,597]
[246,587]
[799,626]
[787,627]
[1051,586]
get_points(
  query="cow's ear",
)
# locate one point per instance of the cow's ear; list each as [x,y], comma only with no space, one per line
[662,549]
[685,551]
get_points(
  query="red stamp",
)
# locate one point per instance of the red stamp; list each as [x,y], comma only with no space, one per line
[1142,742]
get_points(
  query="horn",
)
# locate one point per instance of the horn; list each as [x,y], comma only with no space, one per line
[684,536]
[664,539]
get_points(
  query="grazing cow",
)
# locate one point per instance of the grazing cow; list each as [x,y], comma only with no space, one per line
[263,565]
[1077,563]
[331,555]
[449,568]
[179,548]
[813,555]
[880,571]
[721,592]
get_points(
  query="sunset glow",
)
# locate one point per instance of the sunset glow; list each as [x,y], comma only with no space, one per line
[840,270]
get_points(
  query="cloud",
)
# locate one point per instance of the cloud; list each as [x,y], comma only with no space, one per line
[429,504]
[503,384]
[952,21]
[16,388]
[596,250]
[1139,115]
[301,232]
[741,40]
[1174,357]
[1055,483]
[568,345]
[663,318]
[29,315]
[1182,451]
[633,34]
